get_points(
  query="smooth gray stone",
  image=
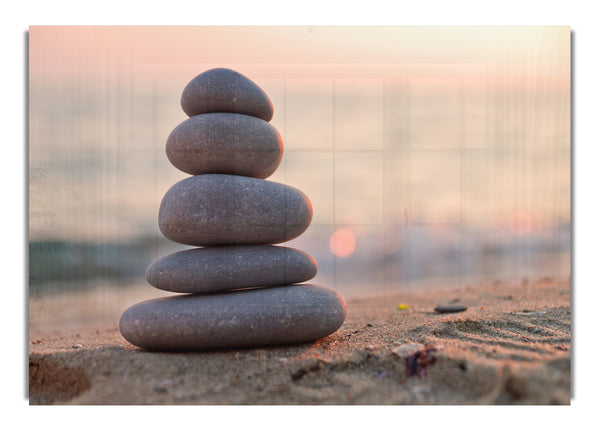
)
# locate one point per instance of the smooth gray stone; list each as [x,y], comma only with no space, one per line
[450,308]
[225,90]
[242,318]
[213,269]
[219,209]
[224,143]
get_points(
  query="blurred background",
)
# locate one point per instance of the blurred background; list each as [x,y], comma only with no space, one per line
[433,156]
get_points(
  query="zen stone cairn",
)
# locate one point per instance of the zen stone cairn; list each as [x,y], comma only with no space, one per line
[240,289]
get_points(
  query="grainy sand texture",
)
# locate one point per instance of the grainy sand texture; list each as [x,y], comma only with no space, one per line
[512,345]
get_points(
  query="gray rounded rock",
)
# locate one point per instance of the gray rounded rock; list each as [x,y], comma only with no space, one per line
[213,269]
[225,143]
[225,90]
[244,318]
[450,308]
[219,209]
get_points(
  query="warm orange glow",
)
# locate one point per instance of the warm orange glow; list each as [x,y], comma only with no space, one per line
[521,223]
[342,243]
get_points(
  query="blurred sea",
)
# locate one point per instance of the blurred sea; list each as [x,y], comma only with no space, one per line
[421,258]
[441,178]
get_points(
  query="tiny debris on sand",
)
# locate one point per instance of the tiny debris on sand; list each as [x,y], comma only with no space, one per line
[405,350]
[511,346]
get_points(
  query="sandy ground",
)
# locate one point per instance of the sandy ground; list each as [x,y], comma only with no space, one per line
[511,346]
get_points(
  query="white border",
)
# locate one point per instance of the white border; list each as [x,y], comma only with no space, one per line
[19,15]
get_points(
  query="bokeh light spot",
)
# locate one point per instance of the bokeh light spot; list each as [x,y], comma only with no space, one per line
[342,243]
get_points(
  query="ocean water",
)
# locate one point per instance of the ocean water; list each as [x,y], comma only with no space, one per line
[441,174]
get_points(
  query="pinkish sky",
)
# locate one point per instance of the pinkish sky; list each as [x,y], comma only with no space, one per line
[65,52]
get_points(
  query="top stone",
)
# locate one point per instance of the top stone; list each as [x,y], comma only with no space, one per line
[225,90]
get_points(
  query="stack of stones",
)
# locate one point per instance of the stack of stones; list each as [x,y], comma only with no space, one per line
[240,289]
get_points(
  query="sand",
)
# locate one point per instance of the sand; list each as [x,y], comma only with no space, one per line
[511,346]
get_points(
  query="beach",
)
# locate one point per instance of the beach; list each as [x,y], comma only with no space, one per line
[446,161]
[512,345]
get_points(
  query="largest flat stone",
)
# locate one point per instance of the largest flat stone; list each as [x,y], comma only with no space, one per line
[225,90]
[259,317]
[218,209]
[224,143]
[213,269]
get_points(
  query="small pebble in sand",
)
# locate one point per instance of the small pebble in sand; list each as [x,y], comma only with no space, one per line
[406,350]
[530,313]
[77,346]
[450,308]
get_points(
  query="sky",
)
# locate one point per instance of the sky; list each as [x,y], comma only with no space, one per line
[66,52]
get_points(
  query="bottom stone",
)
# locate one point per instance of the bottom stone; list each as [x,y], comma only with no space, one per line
[243,318]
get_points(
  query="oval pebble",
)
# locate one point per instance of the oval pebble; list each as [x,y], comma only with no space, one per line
[256,317]
[225,90]
[219,209]
[450,308]
[213,269]
[227,144]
